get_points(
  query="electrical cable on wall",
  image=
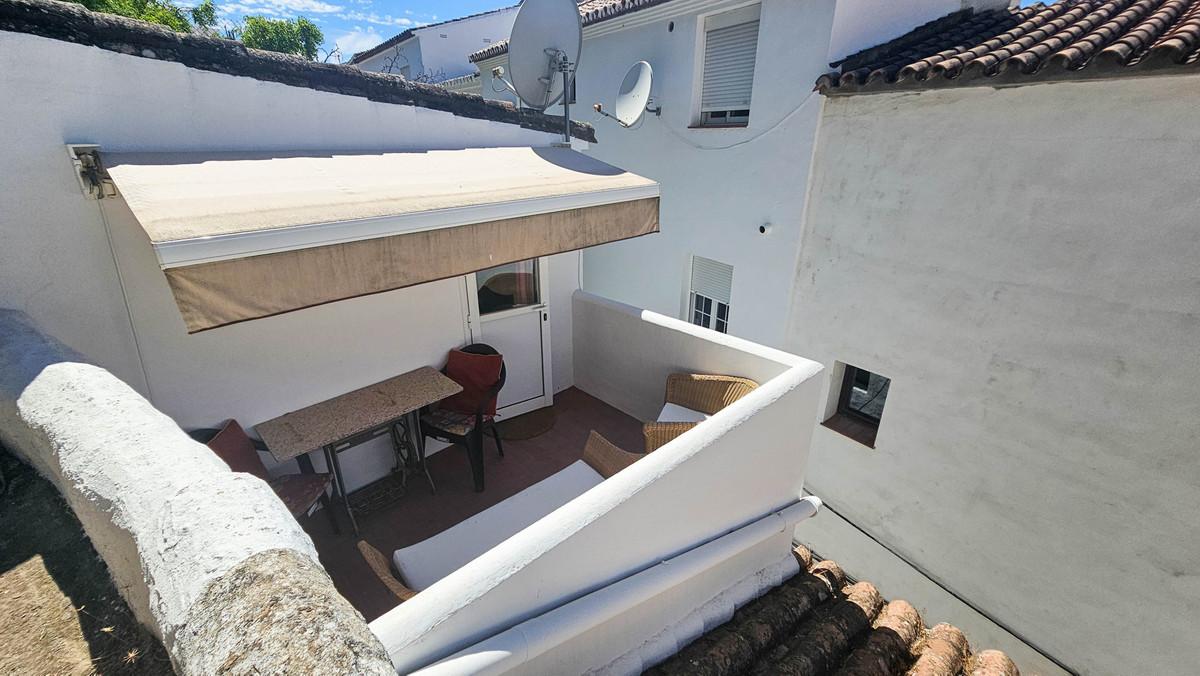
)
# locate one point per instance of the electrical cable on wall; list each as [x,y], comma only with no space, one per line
[742,142]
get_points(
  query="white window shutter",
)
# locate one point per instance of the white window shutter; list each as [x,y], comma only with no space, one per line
[730,43]
[712,279]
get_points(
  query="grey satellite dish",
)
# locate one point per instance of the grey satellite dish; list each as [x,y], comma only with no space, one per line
[543,50]
[634,97]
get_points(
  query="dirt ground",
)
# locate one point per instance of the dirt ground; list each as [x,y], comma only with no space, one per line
[59,610]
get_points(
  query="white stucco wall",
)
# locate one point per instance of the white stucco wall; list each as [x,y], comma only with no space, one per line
[463,37]
[393,60]
[564,281]
[639,621]
[713,199]
[1022,264]
[446,57]
[56,263]
[173,524]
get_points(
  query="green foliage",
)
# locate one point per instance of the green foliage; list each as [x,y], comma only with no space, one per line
[204,15]
[162,12]
[297,36]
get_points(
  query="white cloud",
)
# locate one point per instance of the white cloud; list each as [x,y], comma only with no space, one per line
[357,40]
[286,8]
[377,19]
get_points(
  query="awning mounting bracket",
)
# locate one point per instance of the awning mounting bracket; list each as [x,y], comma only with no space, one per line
[94,181]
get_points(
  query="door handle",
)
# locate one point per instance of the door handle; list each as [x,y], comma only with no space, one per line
[545,316]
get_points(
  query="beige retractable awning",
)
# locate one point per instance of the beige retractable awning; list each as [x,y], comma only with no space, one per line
[249,235]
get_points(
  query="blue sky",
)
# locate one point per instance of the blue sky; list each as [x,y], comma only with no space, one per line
[355,25]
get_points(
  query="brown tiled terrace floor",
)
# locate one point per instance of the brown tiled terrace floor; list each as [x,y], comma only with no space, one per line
[421,514]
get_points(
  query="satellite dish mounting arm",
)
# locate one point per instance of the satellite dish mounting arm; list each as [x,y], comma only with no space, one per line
[650,108]
[562,63]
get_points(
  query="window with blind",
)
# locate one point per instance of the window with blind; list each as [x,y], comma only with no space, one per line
[730,45]
[708,302]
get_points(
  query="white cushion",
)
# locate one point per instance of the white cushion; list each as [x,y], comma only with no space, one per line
[432,559]
[676,413]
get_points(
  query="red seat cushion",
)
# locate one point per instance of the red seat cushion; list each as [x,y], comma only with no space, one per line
[477,373]
[237,450]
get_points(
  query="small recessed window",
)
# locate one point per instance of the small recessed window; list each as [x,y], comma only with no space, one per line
[860,405]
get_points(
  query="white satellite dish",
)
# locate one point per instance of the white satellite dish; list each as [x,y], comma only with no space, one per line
[634,94]
[634,97]
[543,50]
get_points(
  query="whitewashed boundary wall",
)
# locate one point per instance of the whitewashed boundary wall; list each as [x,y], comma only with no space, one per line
[210,560]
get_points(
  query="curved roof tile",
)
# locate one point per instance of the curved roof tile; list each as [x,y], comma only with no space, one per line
[1065,40]
[821,622]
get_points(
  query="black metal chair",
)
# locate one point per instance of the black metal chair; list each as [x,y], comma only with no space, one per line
[464,428]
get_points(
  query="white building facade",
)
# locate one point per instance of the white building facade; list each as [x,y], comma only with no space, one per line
[735,160]
[437,52]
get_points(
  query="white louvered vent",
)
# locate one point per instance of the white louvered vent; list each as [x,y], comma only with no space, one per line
[731,40]
[712,279]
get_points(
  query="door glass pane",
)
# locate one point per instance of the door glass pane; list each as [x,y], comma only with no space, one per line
[509,286]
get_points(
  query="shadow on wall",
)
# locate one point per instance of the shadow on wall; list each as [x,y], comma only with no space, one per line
[61,612]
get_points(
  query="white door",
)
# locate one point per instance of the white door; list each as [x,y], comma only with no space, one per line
[507,309]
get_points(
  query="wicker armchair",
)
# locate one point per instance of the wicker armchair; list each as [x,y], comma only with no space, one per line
[606,457]
[657,434]
[705,393]
[383,569]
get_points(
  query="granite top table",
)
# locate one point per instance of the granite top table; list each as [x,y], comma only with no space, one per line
[329,422]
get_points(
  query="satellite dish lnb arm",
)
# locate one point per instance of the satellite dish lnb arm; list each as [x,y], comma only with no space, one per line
[599,108]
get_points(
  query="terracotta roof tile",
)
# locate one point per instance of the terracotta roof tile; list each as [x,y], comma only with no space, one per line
[1065,40]
[816,623]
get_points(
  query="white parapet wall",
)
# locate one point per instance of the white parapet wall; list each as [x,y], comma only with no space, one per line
[208,559]
[741,466]
[686,596]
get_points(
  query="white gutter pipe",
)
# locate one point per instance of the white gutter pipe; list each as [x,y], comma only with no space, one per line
[508,650]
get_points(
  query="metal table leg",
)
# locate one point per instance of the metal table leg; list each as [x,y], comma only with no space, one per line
[399,448]
[331,459]
[406,434]
[420,437]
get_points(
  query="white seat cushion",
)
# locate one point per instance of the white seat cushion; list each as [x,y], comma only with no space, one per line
[676,413]
[432,559]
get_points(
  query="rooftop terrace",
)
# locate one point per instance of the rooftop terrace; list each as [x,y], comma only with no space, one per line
[421,513]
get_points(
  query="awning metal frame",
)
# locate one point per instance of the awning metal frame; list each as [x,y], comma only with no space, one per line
[94,181]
